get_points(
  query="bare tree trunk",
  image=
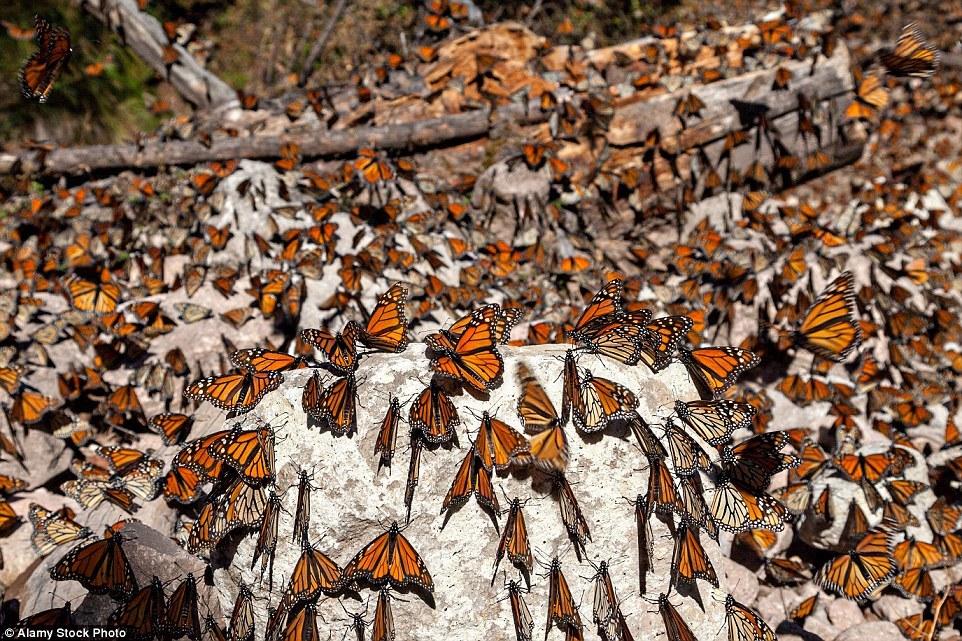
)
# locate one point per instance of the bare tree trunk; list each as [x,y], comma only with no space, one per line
[144,34]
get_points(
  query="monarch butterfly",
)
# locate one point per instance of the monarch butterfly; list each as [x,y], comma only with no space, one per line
[690,105]
[87,296]
[371,167]
[871,467]
[661,339]
[860,572]
[386,329]
[250,452]
[687,456]
[101,566]
[548,448]
[302,627]
[737,509]
[647,440]
[313,574]
[912,56]
[562,610]
[911,553]
[812,459]
[646,545]
[182,617]
[574,521]
[52,529]
[387,434]
[8,517]
[235,392]
[753,463]
[10,378]
[690,561]
[145,615]
[120,459]
[605,328]
[828,328]
[800,612]
[340,348]
[856,523]
[92,493]
[60,617]
[675,626]
[784,571]
[42,68]
[899,516]
[389,559]
[718,367]
[471,479]
[915,582]
[918,627]
[520,614]
[796,497]
[497,443]
[744,624]
[173,428]
[336,406]
[661,495]
[473,359]
[302,512]
[267,537]
[870,98]
[604,600]
[259,359]
[29,407]
[383,628]
[715,421]
[242,623]
[691,504]
[414,472]
[433,414]
[600,402]
[514,541]
[941,516]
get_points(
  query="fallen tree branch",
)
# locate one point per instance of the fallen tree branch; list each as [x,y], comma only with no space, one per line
[317,143]
[144,34]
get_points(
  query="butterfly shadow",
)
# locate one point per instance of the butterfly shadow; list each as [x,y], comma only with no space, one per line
[792,628]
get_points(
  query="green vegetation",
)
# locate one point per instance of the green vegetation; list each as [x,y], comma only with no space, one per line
[83,107]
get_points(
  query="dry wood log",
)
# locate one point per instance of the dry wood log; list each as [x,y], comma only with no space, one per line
[315,143]
[731,105]
[144,34]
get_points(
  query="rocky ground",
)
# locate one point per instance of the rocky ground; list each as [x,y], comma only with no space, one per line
[122,287]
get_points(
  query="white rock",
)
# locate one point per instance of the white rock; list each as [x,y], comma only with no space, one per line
[844,613]
[874,630]
[354,503]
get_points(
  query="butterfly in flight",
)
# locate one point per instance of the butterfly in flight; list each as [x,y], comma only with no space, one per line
[912,55]
[42,68]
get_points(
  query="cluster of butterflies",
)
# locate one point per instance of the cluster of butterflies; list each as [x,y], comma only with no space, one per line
[239,463]
[905,297]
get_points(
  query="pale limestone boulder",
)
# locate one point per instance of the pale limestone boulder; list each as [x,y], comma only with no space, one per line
[874,630]
[354,503]
[150,553]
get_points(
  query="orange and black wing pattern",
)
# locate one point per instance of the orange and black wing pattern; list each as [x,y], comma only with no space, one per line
[829,328]
[717,368]
[42,68]
[235,391]
[474,360]
[100,566]
[389,559]
[386,329]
